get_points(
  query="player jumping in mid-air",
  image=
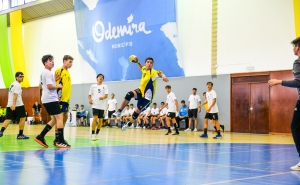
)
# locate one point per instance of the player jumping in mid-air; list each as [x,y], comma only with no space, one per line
[145,93]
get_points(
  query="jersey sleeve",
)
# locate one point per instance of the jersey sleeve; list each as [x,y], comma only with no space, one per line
[214,95]
[17,89]
[57,73]
[199,99]
[49,78]
[105,89]
[173,96]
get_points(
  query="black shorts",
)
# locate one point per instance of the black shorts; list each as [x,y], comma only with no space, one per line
[53,108]
[19,112]
[98,112]
[64,106]
[212,116]
[110,113]
[171,115]
[193,113]
[81,117]
[142,103]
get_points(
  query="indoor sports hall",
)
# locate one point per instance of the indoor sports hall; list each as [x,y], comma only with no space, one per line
[223,73]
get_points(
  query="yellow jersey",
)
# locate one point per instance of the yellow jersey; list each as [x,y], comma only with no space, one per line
[148,81]
[64,79]
[206,106]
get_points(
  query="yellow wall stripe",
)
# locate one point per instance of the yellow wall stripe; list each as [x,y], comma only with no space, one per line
[297,17]
[214,37]
[17,45]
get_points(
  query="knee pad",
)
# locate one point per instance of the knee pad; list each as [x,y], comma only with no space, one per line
[129,95]
[135,115]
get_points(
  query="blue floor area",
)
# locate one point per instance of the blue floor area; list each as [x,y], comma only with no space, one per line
[153,164]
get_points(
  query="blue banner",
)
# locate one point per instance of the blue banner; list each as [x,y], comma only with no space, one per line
[109,31]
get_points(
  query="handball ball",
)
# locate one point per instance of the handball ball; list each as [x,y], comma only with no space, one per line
[131,58]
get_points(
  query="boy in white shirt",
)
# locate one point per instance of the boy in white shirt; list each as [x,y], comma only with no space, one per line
[124,115]
[162,116]
[172,104]
[111,108]
[194,108]
[15,107]
[154,114]
[97,95]
[147,117]
[212,111]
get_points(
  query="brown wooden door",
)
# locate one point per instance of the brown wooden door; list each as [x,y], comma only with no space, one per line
[240,102]
[259,110]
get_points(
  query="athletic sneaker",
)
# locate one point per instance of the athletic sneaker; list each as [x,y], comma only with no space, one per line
[176,133]
[188,130]
[296,167]
[144,127]
[168,133]
[55,141]
[22,136]
[125,126]
[96,137]
[41,141]
[195,130]
[137,127]
[117,114]
[159,127]
[172,128]
[219,136]
[132,126]
[93,137]
[1,134]
[153,128]
[203,136]
[62,145]
[222,127]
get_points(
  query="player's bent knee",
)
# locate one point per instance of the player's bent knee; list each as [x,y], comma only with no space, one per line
[135,115]
[129,95]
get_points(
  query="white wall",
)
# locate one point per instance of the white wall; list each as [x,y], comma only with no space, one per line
[255,33]
[54,35]
[250,33]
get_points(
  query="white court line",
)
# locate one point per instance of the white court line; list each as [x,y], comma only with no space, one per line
[247,178]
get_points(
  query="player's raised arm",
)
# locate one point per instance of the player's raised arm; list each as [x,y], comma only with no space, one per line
[163,76]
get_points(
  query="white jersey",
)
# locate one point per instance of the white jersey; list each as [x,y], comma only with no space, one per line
[112,104]
[97,91]
[155,111]
[171,102]
[147,111]
[194,100]
[163,111]
[131,111]
[210,96]
[15,88]
[126,112]
[47,94]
